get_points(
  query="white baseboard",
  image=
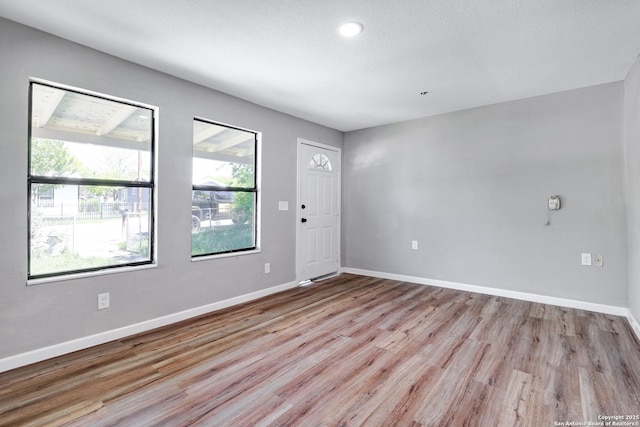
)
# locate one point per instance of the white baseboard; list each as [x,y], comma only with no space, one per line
[40,354]
[634,324]
[562,302]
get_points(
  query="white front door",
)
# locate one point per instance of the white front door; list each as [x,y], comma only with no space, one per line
[318,210]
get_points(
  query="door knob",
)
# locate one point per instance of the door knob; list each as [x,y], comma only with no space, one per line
[304,220]
[303,206]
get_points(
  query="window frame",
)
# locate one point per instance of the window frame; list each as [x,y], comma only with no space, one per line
[60,180]
[254,189]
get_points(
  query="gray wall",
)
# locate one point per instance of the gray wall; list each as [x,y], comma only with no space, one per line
[40,315]
[632,156]
[472,188]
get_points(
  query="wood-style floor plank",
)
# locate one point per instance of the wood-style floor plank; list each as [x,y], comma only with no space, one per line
[348,351]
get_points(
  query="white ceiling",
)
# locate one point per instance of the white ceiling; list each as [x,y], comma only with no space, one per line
[287,54]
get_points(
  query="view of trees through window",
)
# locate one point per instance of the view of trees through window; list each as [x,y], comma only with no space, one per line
[90,182]
[224,196]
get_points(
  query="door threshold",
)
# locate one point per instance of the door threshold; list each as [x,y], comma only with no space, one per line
[318,279]
[325,277]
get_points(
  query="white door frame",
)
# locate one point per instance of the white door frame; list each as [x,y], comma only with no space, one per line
[338,150]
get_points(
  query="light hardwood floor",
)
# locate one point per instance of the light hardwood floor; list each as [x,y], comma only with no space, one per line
[347,351]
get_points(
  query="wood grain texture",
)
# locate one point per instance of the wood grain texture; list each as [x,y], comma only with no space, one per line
[347,351]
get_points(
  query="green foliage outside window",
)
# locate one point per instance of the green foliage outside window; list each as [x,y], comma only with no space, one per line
[243,206]
[52,158]
[222,239]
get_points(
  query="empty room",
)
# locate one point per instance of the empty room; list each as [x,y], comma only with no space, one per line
[305,213]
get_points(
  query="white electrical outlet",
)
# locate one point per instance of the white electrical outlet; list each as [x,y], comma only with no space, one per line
[597,261]
[267,267]
[414,245]
[103,301]
[586,259]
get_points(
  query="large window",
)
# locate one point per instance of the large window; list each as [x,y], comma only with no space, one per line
[224,197]
[91,182]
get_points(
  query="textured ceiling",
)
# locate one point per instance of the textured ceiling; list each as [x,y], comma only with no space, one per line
[287,55]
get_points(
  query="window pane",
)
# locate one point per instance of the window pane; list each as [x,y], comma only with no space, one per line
[223,218]
[87,227]
[84,136]
[223,156]
[320,162]
[222,226]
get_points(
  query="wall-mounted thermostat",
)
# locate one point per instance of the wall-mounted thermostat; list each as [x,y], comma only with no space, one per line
[554,203]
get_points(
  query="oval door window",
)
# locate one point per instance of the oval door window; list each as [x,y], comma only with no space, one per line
[320,162]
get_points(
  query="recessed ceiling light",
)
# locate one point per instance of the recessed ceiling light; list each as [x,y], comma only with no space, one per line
[350,29]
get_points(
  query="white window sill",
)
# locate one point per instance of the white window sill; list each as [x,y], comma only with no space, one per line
[225,255]
[74,276]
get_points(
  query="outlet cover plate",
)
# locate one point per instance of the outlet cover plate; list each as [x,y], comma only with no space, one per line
[103,301]
[597,261]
